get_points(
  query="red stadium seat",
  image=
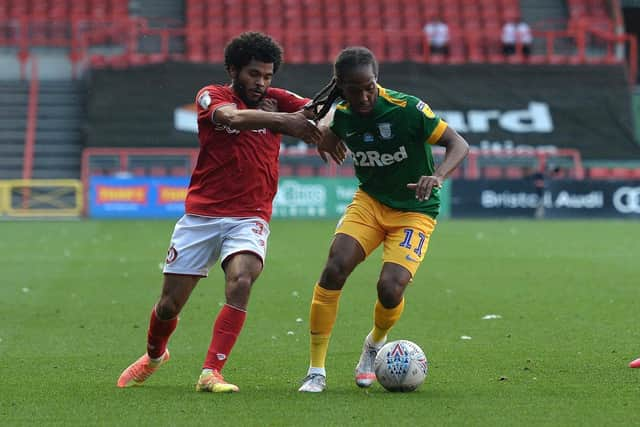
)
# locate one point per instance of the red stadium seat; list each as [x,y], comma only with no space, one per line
[316,51]
[158,171]
[598,173]
[304,170]
[395,47]
[635,173]
[376,42]
[139,171]
[325,171]
[514,172]
[620,173]
[294,49]
[179,171]
[492,172]
[286,170]
[346,170]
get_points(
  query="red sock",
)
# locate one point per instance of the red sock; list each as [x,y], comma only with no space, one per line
[158,334]
[225,333]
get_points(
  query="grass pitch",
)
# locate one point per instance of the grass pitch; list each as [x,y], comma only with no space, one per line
[75,299]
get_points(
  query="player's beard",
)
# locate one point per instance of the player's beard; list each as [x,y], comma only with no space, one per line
[241,91]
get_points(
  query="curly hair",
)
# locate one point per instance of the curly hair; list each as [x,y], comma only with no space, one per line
[252,45]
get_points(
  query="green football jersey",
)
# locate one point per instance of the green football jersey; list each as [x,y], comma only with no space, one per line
[391,147]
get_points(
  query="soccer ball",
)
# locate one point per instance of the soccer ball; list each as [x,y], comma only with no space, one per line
[401,366]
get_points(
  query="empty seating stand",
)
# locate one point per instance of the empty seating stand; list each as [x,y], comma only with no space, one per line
[393,30]
[64,10]
[618,173]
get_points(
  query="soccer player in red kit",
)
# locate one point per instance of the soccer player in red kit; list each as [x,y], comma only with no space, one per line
[228,204]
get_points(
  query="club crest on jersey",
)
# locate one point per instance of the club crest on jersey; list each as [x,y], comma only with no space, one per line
[204,100]
[385,130]
[368,137]
[424,108]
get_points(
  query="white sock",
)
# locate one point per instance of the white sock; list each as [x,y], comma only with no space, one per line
[206,371]
[370,342]
[320,371]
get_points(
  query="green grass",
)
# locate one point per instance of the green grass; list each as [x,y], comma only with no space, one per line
[75,299]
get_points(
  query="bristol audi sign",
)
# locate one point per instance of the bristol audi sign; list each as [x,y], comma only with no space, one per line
[560,199]
[626,200]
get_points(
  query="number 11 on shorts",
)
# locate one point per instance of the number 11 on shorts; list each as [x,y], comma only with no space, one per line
[406,243]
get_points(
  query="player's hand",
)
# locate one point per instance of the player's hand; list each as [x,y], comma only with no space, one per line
[268,104]
[309,113]
[335,149]
[298,126]
[425,186]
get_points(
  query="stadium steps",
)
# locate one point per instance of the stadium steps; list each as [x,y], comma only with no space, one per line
[159,13]
[14,100]
[533,11]
[59,135]
[553,13]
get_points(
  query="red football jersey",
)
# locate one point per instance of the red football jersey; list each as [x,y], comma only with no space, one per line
[237,171]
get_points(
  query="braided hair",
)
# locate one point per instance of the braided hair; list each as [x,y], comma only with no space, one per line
[347,59]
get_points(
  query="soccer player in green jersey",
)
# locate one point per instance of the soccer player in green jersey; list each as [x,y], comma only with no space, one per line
[389,134]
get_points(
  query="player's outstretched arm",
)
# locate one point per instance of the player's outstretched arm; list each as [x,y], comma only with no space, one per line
[293,124]
[332,145]
[456,150]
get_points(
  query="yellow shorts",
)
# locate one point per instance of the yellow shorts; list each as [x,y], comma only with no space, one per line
[405,234]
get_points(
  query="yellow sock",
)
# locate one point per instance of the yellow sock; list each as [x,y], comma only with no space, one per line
[384,319]
[324,310]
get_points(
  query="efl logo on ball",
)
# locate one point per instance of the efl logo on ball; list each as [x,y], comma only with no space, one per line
[401,366]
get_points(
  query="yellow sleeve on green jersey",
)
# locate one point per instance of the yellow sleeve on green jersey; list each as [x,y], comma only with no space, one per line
[429,124]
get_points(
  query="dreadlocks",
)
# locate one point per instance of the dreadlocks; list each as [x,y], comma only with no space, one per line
[346,60]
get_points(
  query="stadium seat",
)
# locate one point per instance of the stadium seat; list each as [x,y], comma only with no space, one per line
[316,51]
[18,9]
[98,61]
[294,49]
[325,171]
[376,42]
[620,173]
[178,171]
[635,173]
[514,172]
[138,171]
[158,171]
[286,170]
[457,173]
[492,172]
[392,29]
[395,47]
[599,173]
[346,170]
[304,170]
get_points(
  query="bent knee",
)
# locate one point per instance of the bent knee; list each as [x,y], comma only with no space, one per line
[168,308]
[390,292]
[335,273]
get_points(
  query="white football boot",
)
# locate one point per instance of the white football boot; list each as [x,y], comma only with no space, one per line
[313,383]
[365,374]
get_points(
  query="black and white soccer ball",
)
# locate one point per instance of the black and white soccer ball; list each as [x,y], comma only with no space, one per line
[401,366]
